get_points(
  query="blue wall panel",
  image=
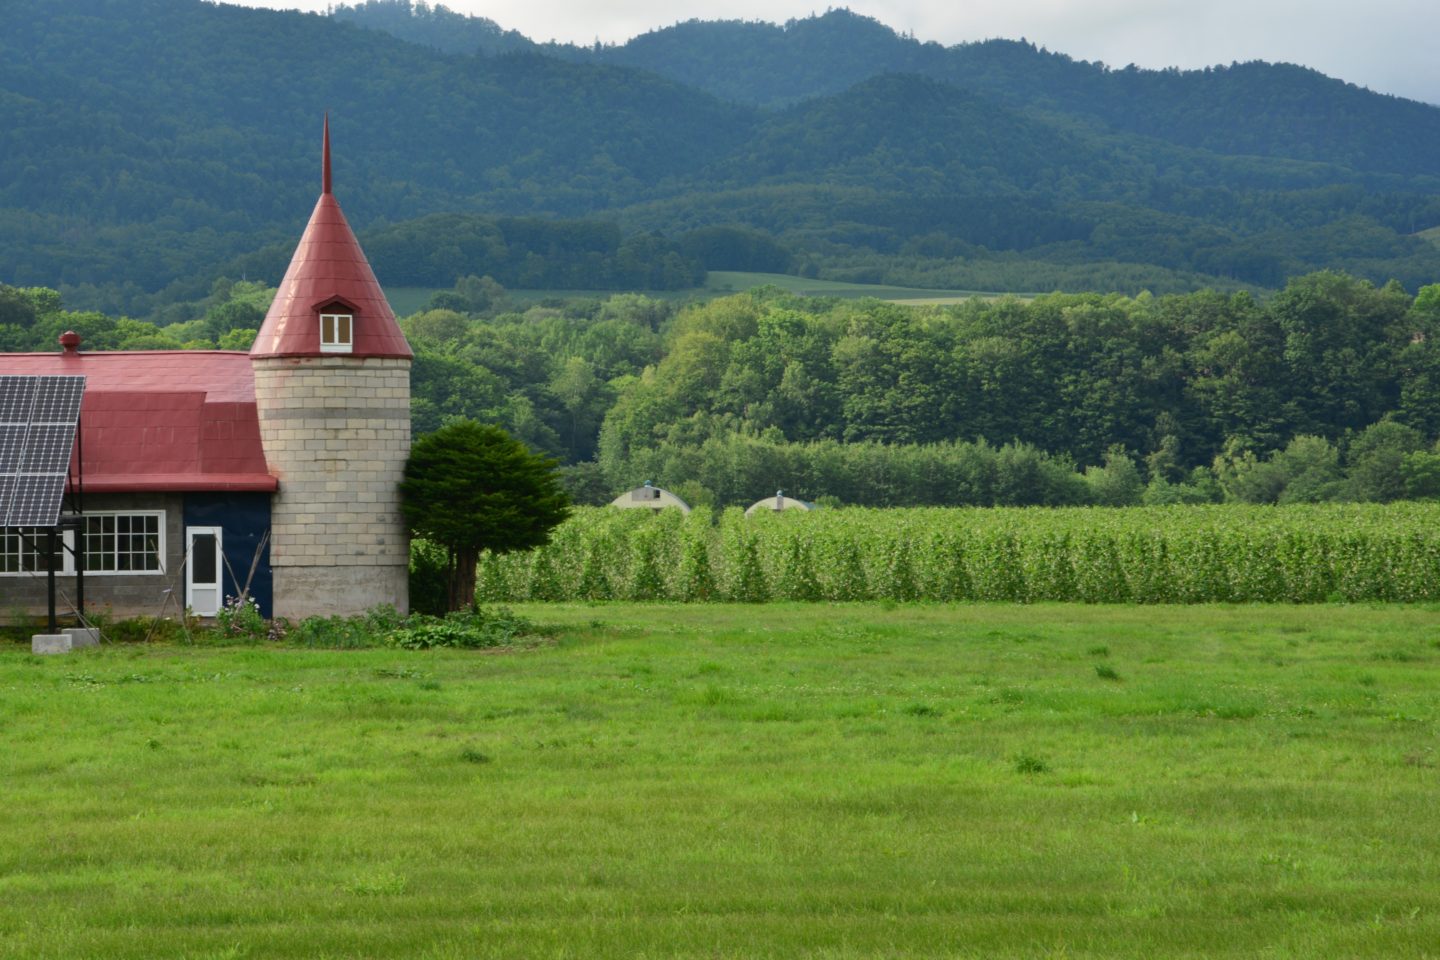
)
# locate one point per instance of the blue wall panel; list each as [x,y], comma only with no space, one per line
[243,518]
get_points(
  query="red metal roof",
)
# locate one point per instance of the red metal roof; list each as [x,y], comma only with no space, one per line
[164,420]
[329,266]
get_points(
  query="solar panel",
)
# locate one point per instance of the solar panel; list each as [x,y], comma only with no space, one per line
[17,399]
[10,437]
[48,449]
[37,430]
[57,400]
[36,502]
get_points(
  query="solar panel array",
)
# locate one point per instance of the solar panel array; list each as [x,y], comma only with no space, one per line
[37,430]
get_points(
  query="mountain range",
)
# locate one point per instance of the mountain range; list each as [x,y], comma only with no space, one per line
[153,145]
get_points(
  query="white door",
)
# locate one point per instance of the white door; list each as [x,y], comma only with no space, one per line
[202,570]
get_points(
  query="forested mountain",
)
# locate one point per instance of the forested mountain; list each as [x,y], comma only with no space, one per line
[1259,109]
[153,145]
[147,140]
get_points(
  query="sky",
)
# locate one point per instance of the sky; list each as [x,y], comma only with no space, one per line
[1384,45]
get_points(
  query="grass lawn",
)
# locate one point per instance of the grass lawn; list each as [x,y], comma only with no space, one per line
[731,781]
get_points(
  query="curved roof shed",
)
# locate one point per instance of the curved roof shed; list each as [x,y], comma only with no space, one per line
[778,503]
[649,497]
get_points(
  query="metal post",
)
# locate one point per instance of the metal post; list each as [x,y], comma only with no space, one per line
[79,540]
[50,579]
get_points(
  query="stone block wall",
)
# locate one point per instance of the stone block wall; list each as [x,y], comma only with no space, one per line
[336,432]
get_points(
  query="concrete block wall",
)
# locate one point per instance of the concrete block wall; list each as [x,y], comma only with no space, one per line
[336,432]
[117,594]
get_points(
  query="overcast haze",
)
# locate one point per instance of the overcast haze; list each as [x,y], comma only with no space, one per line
[1380,44]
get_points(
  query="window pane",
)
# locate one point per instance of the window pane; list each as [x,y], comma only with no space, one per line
[202,559]
[9,552]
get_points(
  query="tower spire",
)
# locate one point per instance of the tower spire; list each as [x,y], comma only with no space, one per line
[325,162]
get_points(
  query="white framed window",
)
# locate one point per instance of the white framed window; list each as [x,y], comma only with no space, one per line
[337,332]
[124,542]
[23,551]
[115,543]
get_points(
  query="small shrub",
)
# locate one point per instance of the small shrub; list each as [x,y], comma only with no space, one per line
[332,633]
[240,620]
[1029,764]
[472,630]
[1106,672]
[471,755]
[381,619]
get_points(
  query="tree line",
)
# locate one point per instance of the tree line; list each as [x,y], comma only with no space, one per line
[1327,390]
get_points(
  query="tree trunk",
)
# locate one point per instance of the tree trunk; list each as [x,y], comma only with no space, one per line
[462,580]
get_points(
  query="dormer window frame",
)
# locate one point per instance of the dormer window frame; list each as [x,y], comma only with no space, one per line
[336,332]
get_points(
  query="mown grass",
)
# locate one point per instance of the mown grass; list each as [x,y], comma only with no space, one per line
[776,781]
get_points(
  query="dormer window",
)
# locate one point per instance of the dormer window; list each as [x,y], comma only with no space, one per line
[337,332]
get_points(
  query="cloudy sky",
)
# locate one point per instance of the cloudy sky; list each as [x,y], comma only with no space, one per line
[1385,45]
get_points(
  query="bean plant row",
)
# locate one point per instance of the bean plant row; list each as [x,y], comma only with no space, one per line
[1184,554]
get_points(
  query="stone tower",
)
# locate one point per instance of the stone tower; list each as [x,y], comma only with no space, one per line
[332,389]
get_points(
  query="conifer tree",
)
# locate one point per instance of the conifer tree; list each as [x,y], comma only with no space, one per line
[471,488]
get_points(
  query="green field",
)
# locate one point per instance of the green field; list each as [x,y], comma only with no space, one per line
[736,781]
[408,300]
[725,282]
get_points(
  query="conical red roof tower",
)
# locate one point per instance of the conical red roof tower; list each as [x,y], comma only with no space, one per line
[329,274]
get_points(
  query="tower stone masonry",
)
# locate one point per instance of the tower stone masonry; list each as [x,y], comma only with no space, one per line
[332,390]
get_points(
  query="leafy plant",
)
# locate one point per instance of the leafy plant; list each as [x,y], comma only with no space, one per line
[240,619]
[1030,764]
[469,630]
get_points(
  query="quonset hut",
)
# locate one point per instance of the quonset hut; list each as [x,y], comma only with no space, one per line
[649,497]
[201,466]
[778,503]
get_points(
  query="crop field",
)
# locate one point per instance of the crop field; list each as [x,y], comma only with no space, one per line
[1185,554]
[721,283]
[787,780]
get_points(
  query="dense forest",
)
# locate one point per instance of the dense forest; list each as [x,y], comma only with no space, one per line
[828,146]
[1329,390]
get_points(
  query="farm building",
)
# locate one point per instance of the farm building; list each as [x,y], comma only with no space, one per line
[778,503]
[649,497]
[200,471]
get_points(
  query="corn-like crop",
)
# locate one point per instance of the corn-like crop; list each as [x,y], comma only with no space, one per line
[1182,554]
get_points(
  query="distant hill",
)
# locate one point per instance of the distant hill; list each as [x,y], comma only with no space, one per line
[152,144]
[1260,109]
